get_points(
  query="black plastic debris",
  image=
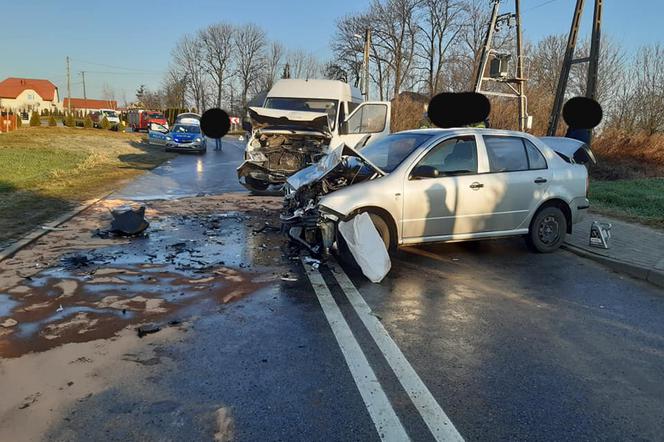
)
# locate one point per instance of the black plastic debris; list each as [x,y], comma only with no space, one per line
[128,221]
[147,329]
[76,261]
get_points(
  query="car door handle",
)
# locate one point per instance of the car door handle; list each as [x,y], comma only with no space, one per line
[540,180]
[476,185]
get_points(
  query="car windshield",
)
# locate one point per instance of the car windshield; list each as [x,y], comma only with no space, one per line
[304,104]
[387,153]
[110,114]
[156,116]
[187,129]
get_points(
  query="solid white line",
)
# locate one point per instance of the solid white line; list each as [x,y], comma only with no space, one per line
[439,424]
[382,414]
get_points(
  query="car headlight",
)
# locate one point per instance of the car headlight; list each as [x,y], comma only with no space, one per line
[168,138]
[256,156]
[199,139]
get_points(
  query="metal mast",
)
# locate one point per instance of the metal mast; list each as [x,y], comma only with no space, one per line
[500,74]
[569,60]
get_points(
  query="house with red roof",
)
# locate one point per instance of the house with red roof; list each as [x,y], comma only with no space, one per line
[86,105]
[29,94]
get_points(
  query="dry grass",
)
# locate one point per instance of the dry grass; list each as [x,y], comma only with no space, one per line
[45,171]
[628,156]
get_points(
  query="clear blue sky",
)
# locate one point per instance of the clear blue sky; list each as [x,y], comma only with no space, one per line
[38,34]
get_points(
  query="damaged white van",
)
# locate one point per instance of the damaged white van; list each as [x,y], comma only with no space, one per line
[297,124]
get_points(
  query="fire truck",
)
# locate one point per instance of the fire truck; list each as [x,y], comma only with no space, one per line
[140,119]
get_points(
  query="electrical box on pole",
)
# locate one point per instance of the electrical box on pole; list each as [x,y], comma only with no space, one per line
[499,71]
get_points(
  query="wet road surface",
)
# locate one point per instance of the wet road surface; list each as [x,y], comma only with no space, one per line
[190,174]
[480,341]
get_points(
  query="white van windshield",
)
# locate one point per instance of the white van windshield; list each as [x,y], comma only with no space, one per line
[304,104]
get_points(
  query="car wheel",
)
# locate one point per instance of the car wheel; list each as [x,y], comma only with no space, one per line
[547,230]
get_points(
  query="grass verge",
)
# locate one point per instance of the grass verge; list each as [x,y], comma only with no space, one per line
[640,200]
[46,171]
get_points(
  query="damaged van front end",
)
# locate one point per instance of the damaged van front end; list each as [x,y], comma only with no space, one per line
[282,142]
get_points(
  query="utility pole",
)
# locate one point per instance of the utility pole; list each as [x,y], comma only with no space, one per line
[486,49]
[519,70]
[68,87]
[498,71]
[569,60]
[83,77]
[365,65]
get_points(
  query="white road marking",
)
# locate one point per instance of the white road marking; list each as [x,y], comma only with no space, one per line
[435,418]
[380,409]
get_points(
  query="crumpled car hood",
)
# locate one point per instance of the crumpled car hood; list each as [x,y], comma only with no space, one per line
[325,165]
[264,118]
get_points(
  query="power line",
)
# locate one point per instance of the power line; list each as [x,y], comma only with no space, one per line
[124,73]
[540,5]
[115,67]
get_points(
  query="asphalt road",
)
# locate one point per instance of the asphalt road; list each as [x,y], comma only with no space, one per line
[191,174]
[480,341]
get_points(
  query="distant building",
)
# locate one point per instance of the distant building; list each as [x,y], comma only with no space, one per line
[29,94]
[87,105]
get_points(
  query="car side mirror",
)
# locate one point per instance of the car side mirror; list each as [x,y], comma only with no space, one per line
[424,172]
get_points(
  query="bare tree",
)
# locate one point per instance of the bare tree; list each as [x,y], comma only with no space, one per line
[395,33]
[439,29]
[303,64]
[187,56]
[249,42]
[174,89]
[217,49]
[273,60]
[107,92]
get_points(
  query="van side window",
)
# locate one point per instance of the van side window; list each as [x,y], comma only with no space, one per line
[371,118]
[352,106]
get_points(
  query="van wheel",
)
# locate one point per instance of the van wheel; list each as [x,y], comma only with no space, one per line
[547,230]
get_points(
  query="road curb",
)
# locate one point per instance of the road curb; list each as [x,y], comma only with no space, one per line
[651,275]
[39,232]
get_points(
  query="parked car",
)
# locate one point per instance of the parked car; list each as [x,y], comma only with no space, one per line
[180,138]
[444,185]
[299,121]
[140,119]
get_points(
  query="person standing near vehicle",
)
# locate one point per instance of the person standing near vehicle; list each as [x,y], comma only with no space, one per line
[217,144]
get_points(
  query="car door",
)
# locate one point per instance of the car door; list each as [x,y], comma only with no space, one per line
[157,134]
[368,122]
[450,203]
[517,181]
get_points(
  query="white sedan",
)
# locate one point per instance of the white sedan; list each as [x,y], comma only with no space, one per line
[445,185]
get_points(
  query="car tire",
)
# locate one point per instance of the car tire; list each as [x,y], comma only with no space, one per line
[547,230]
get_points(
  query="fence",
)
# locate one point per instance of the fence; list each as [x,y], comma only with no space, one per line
[7,122]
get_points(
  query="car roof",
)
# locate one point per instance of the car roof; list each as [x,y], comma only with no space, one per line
[477,130]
